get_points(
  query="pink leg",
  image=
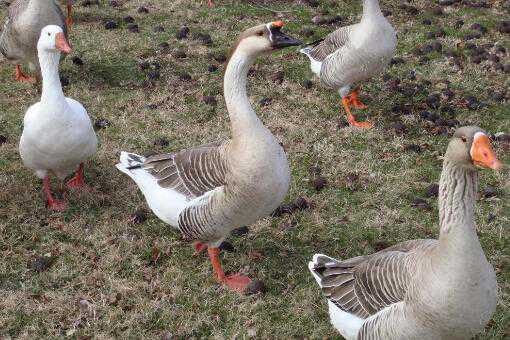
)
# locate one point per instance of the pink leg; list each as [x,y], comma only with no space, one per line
[53,204]
[199,248]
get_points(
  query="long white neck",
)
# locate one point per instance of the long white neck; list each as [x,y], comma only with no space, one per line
[242,116]
[371,10]
[51,87]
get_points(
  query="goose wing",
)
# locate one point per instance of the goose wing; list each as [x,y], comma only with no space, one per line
[191,172]
[331,43]
[365,285]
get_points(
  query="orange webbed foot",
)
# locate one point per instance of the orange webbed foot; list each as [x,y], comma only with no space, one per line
[237,282]
[78,181]
[21,77]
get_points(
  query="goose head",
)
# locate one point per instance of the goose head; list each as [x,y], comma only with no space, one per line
[264,38]
[52,39]
[470,146]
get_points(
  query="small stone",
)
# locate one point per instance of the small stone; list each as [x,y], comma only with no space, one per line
[151,106]
[240,231]
[283,209]
[255,287]
[425,114]
[427,22]
[77,61]
[182,33]
[144,65]
[3,139]
[64,81]
[163,46]
[179,54]
[307,32]
[110,25]
[458,24]
[420,203]
[205,38]
[413,147]
[265,101]
[161,142]
[184,76]
[489,191]
[319,183]
[503,26]
[437,46]
[471,36]
[432,190]
[491,217]
[307,84]
[396,61]
[399,128]
[476,59]
[212,68]
[112,3]
[158,29]
[133,28]
[42,263]
[153,75]
[433,101]
[301,203]
[138,217]
[227,246]
[101,123]
[210,100]
[142,9]
[129,19]
[288,225]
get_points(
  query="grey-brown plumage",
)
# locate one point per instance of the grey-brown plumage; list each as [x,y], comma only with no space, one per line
[421,289]
[22,27]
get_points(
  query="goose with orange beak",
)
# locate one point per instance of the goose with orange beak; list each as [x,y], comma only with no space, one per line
[21,31]
[422,289]
[207,191]
[57,134]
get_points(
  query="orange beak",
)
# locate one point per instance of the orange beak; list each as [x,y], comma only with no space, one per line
[277,24]
[61,43]
[482,153]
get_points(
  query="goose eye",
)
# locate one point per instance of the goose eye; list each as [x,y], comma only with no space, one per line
[49,34]
[464,139]
[260,33]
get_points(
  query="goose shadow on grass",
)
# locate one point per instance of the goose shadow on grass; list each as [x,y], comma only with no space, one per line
[113,72]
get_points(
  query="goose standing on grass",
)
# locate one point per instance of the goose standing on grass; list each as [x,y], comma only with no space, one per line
[21,31]
[207,191]
[422,289]
[353,54]
[57,134]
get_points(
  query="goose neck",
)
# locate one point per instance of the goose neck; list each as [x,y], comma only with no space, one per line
[242,116]
[51,86]
[371,9]
[457,195]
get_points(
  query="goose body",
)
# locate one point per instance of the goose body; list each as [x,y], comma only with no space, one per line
[208,191]
[57,134]
[353,54]
[21,31]
[421,289]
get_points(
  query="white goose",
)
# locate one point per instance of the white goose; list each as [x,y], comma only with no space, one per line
[57,133]
[422,289]
[353,54]
[208,191]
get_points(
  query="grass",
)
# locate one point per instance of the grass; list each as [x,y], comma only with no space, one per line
[90,272]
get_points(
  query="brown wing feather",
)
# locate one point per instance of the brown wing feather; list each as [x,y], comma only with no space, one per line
[331,43]
[191,172]
[366,284]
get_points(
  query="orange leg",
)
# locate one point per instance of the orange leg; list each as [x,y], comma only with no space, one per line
[355,101]
[235,282]
[69,20]
[21,77]
[199,248]
[346,101]
[53,204]
[78,181]
[210,3]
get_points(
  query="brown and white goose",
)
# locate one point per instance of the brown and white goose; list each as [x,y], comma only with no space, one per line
[353,54]
[422,289]
[20,34]
[206,192]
